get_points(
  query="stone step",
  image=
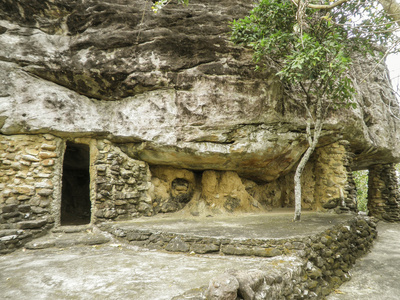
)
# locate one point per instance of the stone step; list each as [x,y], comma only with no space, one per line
[68,239]
[72,228]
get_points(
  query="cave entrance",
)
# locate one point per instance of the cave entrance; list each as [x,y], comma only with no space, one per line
[75,198]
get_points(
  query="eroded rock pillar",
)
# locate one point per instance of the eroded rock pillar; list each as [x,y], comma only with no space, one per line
[383,193]
[334,184]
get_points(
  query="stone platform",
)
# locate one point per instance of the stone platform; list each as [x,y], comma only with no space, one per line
[324,247]
[277,224]
[266,235]
[190,258]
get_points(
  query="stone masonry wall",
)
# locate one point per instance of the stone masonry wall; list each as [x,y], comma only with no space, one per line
[29,179]
[327,257]
[122,185]
[383,193]
[334,187]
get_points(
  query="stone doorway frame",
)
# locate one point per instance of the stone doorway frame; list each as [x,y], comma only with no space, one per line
[56,207]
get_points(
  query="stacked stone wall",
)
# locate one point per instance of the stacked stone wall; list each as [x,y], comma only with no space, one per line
[326,262]
[334,187]
[121,185]
[29,179]
[383,193]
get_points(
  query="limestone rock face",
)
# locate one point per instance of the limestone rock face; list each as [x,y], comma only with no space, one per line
[170,87]
[203,193]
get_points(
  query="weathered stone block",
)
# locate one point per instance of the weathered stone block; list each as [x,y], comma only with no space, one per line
[26,190]
[44,203]
[25,163]
[48,162]
[6,162]
[177,245]
[24,208]
[31,151]
[204,248]
[32,224]
[101,168]
[126,174]
[47,155]
[132,195]
[44,192]
[30,158]
[314,273]
[120,202]
[136,236]
[23,197]
[223,287]
[264,252]
[44,185]
[16,166]
[144,207]
[234,250]
[10,215]
[40,245]
[110,213]
[48,147]
[6,232]
[9,208]
[8,238]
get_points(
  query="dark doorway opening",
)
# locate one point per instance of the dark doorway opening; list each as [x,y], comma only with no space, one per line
[75,199]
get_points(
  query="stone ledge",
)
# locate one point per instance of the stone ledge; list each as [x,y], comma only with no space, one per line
[326,257]
[69,238]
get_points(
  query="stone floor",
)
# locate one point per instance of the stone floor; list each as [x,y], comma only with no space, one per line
[108,272]
[274,225]
[59,267]
[376,276]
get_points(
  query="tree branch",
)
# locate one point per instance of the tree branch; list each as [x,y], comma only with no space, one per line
[321,6]
[392,9]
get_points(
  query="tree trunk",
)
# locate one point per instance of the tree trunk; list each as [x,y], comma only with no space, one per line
[297,182]
[312,141]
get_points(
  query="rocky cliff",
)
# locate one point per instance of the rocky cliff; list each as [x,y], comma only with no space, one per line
[170,83]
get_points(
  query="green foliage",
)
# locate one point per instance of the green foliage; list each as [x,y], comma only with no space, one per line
[312,56]
[361,180]
[366,25]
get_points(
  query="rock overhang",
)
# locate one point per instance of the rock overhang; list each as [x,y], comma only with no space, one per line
[174,85]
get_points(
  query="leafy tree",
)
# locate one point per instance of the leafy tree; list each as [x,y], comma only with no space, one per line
[309,46]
